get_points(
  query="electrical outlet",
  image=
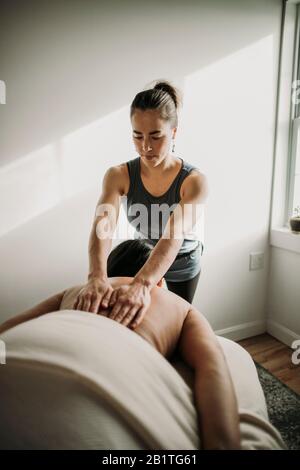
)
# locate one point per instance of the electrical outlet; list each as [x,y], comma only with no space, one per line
[256,261]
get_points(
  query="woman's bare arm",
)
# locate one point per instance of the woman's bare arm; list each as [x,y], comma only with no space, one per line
[51,304]
[106,218]
[97,291]
[214,394]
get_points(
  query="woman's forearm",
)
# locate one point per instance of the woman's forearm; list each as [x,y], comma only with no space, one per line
[99,249]
[158,263]
[166,249]
[105,222]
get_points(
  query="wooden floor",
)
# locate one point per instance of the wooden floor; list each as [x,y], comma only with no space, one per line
[274,356]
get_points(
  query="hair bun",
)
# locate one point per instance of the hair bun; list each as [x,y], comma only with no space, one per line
[159,95]
[167,87]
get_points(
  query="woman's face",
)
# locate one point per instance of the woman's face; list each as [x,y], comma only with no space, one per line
[152,136]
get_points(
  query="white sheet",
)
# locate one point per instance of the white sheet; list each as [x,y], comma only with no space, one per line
[81,381]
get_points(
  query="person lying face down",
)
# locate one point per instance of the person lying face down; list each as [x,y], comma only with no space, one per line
[173,327]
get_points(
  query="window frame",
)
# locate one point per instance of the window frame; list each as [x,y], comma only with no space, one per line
[294,126]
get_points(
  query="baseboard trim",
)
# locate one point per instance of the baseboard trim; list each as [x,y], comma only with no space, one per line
[244,330]
[280,332]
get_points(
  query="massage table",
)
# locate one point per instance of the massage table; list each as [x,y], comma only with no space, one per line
[75,380]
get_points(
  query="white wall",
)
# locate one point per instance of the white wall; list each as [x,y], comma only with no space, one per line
[71,70]
[283,307]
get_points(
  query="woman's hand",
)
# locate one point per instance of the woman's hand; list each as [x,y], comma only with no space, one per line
[130,304]
[95,294]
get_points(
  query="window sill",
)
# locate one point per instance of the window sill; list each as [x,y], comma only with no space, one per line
[282,237]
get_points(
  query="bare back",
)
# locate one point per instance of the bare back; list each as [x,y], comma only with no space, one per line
[162,323]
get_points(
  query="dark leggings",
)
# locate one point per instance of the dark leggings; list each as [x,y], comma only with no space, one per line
[185,289]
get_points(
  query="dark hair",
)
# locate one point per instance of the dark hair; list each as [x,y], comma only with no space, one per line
[127,258]
[164,97]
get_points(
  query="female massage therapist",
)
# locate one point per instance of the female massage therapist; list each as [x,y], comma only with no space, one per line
[155,179]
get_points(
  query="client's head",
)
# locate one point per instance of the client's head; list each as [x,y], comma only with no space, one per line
[127,258]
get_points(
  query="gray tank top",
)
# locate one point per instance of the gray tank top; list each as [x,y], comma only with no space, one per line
[149,214]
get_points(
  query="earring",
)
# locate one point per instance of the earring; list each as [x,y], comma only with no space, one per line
[173,148]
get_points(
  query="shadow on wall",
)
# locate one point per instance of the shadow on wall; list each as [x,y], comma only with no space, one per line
[77,161]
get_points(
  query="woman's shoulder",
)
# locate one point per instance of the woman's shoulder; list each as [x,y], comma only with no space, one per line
[194,177]
[118,175]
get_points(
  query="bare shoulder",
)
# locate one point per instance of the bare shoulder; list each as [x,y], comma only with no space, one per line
[171,307]
[196,327]
[196,333]
[117,177]
[195,181]
[162,324]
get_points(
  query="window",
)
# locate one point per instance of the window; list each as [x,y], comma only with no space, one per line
[293,197]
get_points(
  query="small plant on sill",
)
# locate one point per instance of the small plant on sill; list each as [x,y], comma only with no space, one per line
[295,220]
